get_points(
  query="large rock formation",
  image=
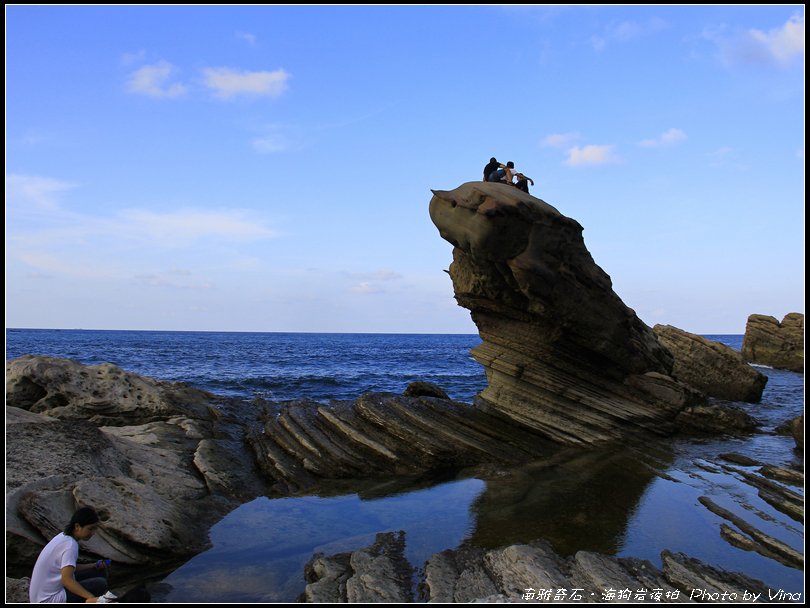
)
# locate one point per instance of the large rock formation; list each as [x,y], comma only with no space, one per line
[714,368]
[562,352]
[779,345]
[160,462]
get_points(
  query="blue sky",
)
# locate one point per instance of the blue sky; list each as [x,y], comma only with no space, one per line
[269,168]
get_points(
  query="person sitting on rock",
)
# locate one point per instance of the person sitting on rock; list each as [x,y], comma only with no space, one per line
[516,178]
[498,175]
[491,166]
[54,579]
[522,182]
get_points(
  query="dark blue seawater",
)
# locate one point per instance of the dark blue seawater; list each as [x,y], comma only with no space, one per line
[614,503]
[276,366]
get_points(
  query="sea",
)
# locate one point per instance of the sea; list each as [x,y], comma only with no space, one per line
[621,502]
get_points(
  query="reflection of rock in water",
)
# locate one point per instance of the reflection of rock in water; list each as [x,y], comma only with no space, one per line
[575,500]
[379,573]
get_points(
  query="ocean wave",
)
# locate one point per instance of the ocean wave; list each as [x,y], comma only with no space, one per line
[340,386]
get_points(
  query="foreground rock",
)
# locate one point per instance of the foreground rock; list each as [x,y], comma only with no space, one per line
[526,572]
[17,590]
[160,462]
[779,345]
[100,394]
[714,368]
[717,419]
[379,573]
[562,352]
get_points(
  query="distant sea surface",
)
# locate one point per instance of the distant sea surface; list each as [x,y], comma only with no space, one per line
[276,366]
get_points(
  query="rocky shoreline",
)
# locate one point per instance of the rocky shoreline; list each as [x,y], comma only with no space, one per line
[568,364]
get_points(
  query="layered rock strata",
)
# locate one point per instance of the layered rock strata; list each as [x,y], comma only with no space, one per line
[160,462]
[379,435]
[779,345]
[562,352]
[714,368]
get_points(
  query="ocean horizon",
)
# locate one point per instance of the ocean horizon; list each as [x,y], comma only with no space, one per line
[322,366]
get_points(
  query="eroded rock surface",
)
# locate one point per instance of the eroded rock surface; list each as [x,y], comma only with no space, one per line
[779,345]
[160,462]
[378,573]
[526,572]
[562,352]
[714,368]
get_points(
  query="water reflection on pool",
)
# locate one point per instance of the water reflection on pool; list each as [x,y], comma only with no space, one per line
[627,502]
[260,548]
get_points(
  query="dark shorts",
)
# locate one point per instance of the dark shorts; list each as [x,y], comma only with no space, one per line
[95,581]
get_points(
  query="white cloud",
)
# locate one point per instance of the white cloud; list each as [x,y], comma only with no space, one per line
[367,288]
[33,138]
[155,81]
[776,47]
[167,279]
[247,37]
[279,137]
[270,144]
[67,266]
[727,157]
[783,43]
[227,83]
[86,246]
[625,31]
[559,140]
[370,282]
[189,225]
[41,192]
[133,58]
[591,155]
[667,138]
[377,275]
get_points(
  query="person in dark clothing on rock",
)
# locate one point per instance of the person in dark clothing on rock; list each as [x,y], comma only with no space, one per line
[492,166]
[522,182]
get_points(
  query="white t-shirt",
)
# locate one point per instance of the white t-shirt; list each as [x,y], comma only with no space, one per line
[46,579]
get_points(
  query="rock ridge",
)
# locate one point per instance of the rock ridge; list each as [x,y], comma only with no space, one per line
[562,353]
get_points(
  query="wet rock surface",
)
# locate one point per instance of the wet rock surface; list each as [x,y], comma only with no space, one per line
[378,573]
[779,345]
[532,572]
